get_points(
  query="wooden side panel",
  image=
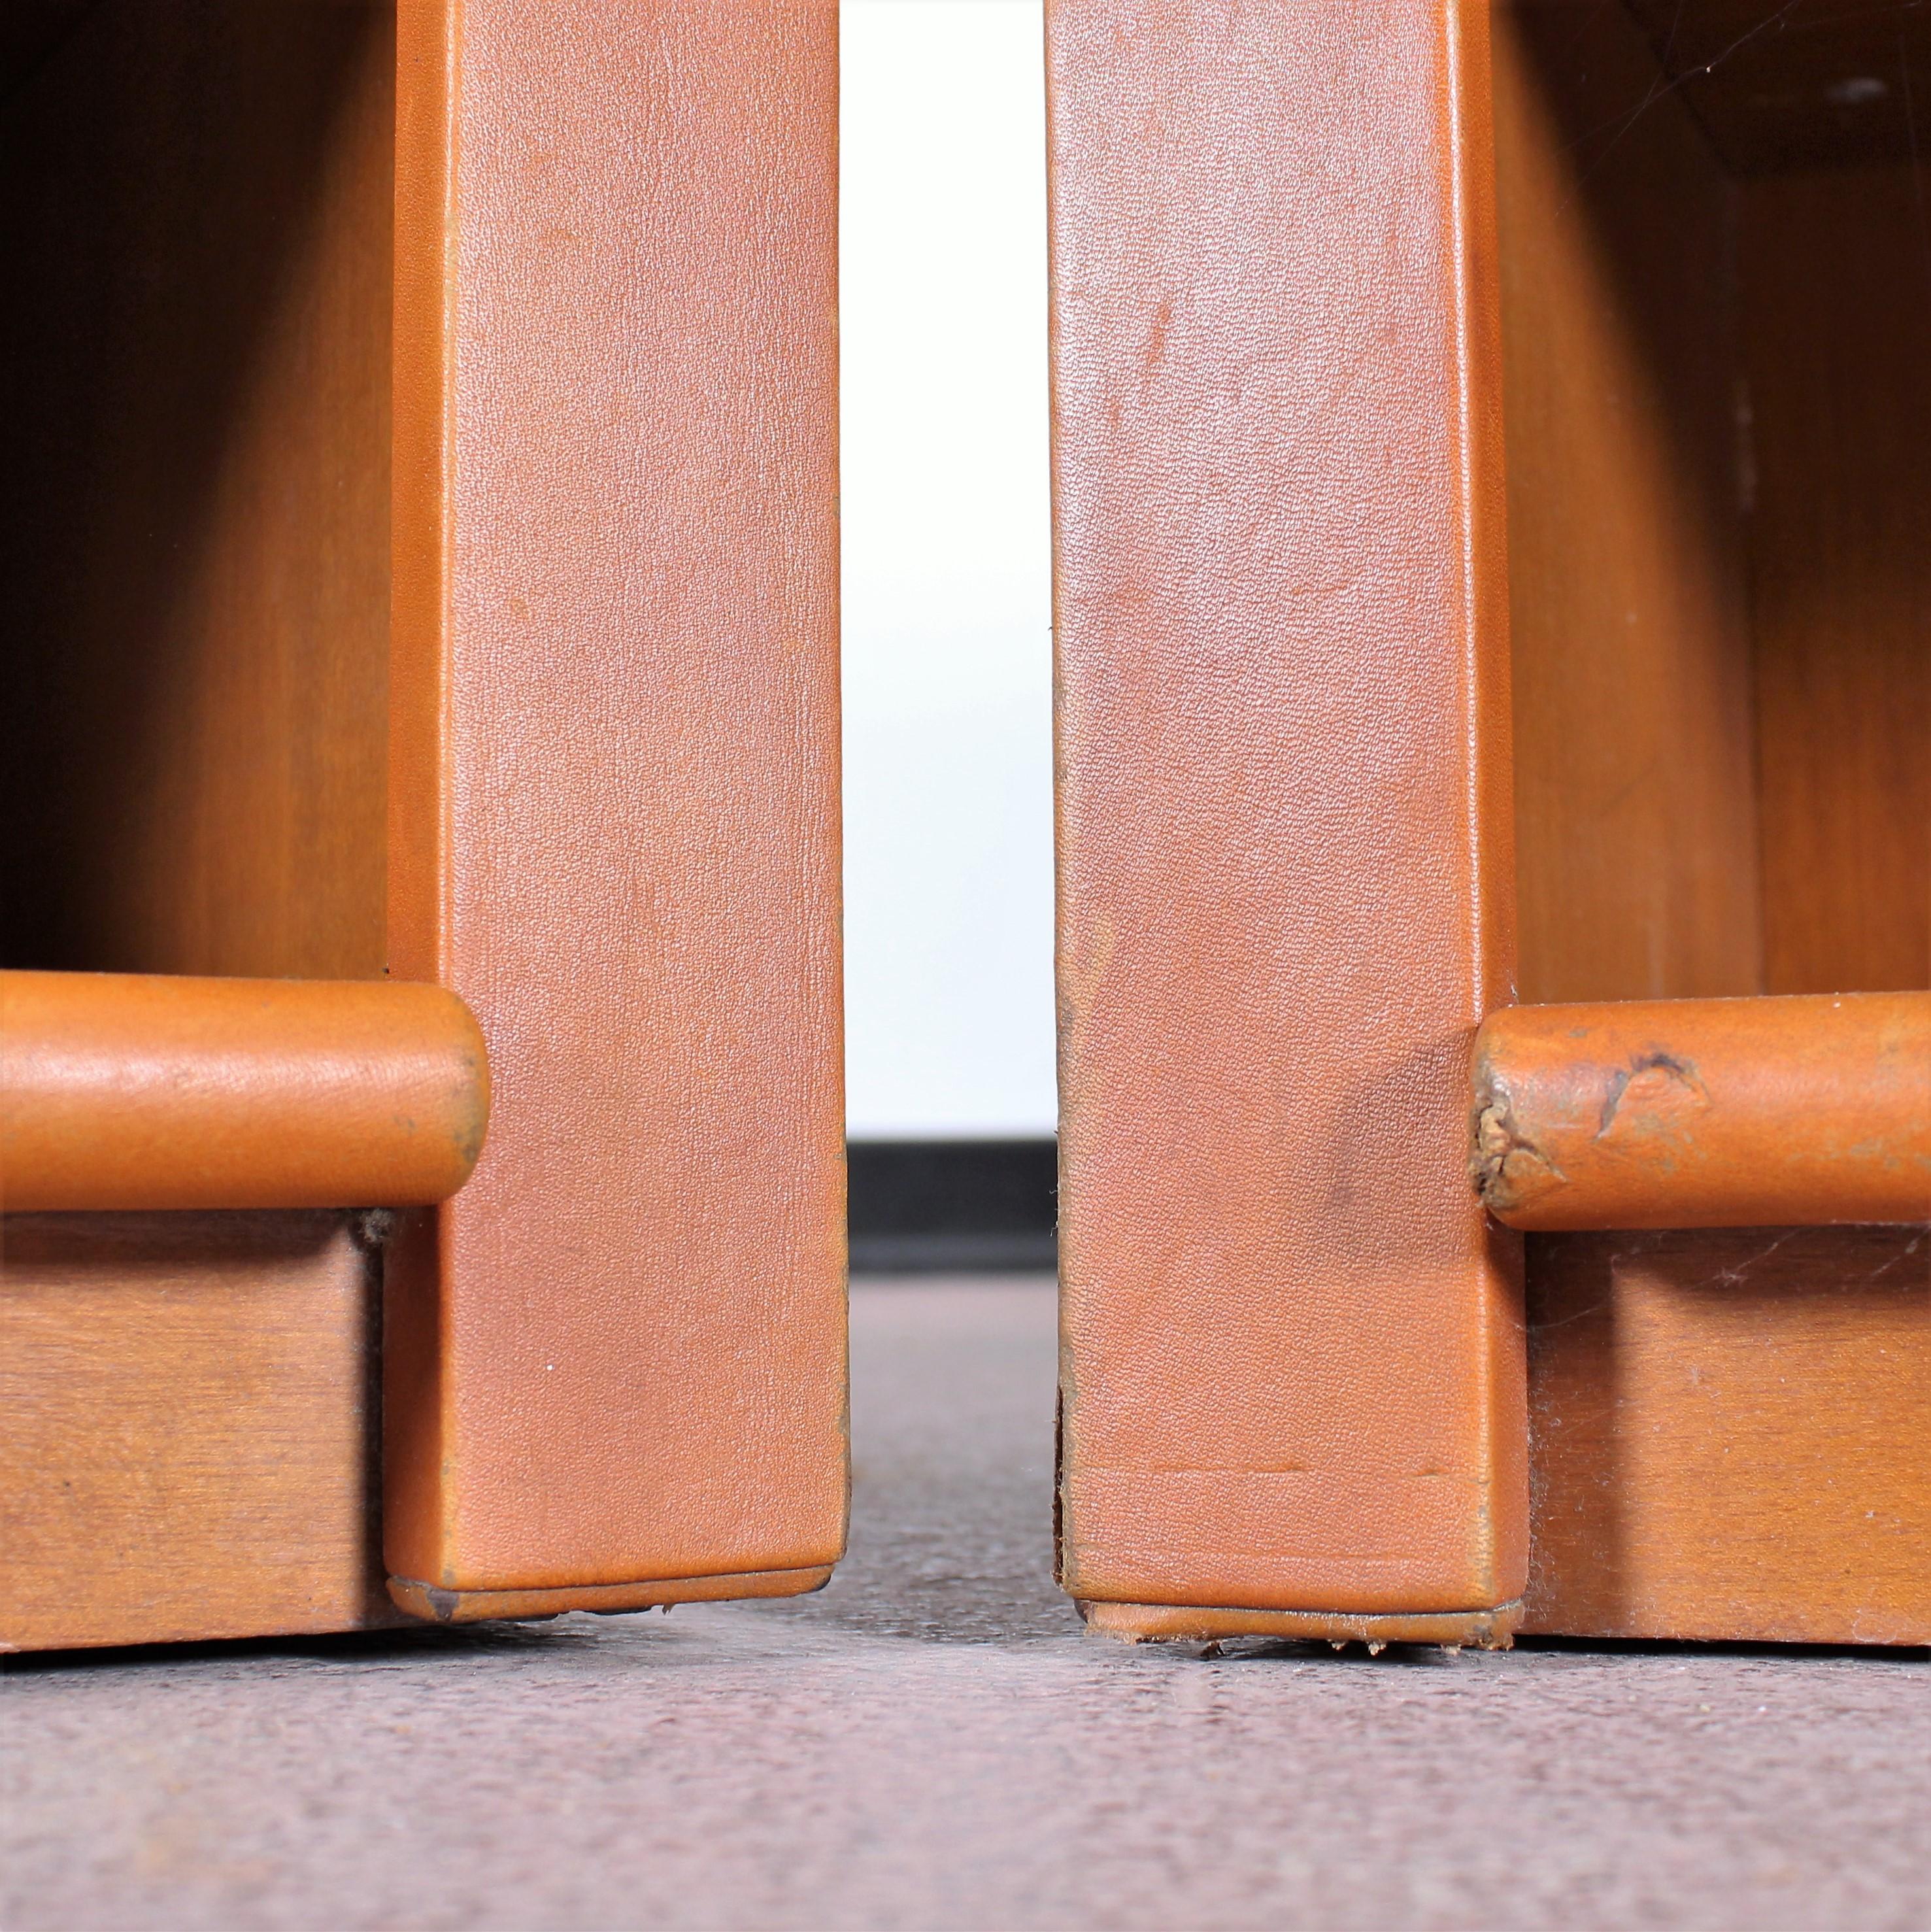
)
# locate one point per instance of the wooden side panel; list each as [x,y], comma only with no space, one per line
[1728,1432]
[1636,834]
[1836,277]
[1809,83]
[188,1445]
[618,1355]
[1290,1371]
[195,210]
[1720,570]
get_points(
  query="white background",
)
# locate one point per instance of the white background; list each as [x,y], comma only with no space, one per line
[947,605]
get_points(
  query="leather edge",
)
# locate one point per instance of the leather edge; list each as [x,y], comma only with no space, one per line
[1491,1629]
[432,1604]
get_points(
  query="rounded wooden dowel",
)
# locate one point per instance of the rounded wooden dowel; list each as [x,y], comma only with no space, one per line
[142,1091]
[1774,1112]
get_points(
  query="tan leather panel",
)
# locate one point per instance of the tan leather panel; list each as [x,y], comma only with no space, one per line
[1292,1373]
[614,818]
[1707,1113]
[126,1090]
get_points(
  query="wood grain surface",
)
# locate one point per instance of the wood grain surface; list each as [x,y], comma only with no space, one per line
[1728,1434]
[1718,400]
[1636,812]
[195,208]
[1836,281]
[187,1448]
[1793,84]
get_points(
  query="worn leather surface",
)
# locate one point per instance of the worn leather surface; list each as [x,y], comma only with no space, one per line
[1292,1364]
[614,818]
[1491,1629]
[475,1607]
[138,1090]
[1707,1113]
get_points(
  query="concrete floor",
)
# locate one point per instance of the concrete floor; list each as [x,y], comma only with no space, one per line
[935,1742]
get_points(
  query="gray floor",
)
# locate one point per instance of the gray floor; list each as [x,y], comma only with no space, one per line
[934,1742]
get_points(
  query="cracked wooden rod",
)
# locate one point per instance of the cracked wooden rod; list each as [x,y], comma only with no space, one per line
[1772,1112]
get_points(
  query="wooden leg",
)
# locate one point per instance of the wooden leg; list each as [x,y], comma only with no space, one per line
[1292,1371]
[616,1362]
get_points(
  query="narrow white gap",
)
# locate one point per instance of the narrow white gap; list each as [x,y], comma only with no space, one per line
[947,567]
